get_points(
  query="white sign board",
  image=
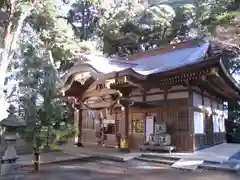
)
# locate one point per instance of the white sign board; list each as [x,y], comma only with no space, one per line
[149,126]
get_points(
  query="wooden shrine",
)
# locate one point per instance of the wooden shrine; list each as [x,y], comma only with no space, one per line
[183,85]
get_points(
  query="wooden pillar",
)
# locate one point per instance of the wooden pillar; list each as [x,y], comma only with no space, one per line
[78,126]
[124,128]
[144,97]
[166,89]
[191,118]
[205,122]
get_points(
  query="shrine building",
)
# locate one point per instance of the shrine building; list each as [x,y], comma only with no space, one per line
[183,85]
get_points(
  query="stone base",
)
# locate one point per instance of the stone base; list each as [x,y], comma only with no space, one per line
[124,150]
[23,147]
[124,146]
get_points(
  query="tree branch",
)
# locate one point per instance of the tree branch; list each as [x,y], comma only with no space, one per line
[12,92]
[52,62]
[18,31]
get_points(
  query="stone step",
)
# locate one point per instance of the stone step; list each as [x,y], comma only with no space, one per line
[187,164]
[156,160]
[212,162]
[160,156]
[220,167]
[173,157]
[171,161]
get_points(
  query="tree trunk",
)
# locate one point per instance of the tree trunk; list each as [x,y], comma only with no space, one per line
[48,134]
[3,70]
[7,52]
[36,160]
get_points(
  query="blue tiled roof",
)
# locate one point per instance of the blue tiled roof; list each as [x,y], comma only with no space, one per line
[171,60]
[151,64]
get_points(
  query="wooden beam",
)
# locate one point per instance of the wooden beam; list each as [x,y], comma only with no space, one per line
[157,109]
[100,93]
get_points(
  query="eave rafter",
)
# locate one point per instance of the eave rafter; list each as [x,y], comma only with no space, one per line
[218,83]
[180,79]
[212,89]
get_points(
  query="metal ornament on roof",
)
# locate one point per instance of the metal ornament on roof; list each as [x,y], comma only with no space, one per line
[12,120]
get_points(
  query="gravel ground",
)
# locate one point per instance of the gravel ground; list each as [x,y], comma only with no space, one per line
[134,170]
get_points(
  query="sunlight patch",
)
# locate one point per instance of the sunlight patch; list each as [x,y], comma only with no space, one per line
[150,167]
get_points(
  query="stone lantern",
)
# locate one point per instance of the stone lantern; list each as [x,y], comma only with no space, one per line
[11,124]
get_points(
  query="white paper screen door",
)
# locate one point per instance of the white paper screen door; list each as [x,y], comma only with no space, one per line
[149,126]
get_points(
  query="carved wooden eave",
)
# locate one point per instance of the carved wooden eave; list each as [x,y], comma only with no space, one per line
[179,79]
[79,68]
[76,89]
[213,89]
[216,83]
[80,73]
[124,73]
[216,80]
[124,82]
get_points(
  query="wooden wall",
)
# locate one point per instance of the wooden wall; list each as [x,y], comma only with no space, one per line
[177,123]
[172,109]
[213,128]
[137,135]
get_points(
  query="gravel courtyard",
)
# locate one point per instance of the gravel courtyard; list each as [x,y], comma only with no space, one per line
[134,170]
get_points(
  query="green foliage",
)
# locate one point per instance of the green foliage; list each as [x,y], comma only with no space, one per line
[138,28]
[83,16]
[209,15]
[45,56]
[43,114]
[65,132]
[129,29]
[55,34]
